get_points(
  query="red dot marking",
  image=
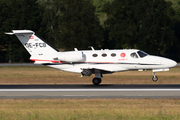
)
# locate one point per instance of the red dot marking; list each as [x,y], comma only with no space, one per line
[123,54]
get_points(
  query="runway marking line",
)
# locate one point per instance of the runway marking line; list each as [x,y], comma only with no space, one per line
[86,90]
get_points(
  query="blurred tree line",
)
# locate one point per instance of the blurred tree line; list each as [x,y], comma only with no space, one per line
[149,25]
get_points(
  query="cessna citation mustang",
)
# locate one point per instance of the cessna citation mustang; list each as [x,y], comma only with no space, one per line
[88,62]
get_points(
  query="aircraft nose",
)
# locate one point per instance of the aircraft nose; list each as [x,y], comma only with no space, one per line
[170,63]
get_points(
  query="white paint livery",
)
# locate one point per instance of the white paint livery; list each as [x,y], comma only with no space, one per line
[88,62]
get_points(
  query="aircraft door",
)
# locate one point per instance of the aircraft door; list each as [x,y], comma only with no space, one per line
[135,60]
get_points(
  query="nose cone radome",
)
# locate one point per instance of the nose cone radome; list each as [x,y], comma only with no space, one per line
[173,63]
[170,63]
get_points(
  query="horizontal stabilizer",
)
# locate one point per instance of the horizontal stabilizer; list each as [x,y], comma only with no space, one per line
[19,32]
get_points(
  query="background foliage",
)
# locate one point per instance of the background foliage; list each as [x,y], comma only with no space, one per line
[151,25]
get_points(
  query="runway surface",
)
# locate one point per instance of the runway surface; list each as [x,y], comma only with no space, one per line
[89,91]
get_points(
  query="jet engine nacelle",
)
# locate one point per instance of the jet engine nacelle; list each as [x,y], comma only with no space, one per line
[74,56]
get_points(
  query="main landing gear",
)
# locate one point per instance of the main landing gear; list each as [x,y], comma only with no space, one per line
[97,80]
[154,78]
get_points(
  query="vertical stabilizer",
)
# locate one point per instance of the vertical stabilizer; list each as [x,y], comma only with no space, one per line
[33,44]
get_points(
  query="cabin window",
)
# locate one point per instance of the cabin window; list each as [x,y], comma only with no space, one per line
[104,54]
[142,54]
[95,55]
[134,55]
[113,54]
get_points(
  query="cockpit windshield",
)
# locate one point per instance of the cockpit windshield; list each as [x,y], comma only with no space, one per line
[142,54]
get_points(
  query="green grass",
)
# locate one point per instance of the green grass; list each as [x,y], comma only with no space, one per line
[90,109]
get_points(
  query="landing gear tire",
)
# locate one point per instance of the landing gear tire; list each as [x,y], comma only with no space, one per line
[154,78]
[96,81]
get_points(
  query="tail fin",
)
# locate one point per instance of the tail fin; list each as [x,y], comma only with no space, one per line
[33,44]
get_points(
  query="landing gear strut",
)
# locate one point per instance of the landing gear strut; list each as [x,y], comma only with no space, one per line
[154,78]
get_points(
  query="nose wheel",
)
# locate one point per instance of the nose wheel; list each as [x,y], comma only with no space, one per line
[154,78]
[96,81]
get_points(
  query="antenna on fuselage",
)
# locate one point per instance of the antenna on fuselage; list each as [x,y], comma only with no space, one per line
[91,47]
[75,49]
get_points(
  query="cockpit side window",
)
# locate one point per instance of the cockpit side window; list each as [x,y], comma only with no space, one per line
[134,55]
[142,54]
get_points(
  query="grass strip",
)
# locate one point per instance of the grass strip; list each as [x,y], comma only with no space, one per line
[89,109]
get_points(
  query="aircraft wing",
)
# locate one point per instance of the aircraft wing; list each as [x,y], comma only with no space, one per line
[104,69]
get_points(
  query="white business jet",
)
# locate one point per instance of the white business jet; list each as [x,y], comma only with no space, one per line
[88,62]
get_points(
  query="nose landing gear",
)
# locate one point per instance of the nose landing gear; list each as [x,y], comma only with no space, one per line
[154,78]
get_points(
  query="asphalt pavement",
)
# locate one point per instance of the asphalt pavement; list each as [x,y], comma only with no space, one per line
[89,91]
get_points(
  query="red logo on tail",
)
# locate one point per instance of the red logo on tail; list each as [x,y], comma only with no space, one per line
[31,37]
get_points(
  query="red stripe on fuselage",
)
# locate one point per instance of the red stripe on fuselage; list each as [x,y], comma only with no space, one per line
[46,60]
[66,62]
